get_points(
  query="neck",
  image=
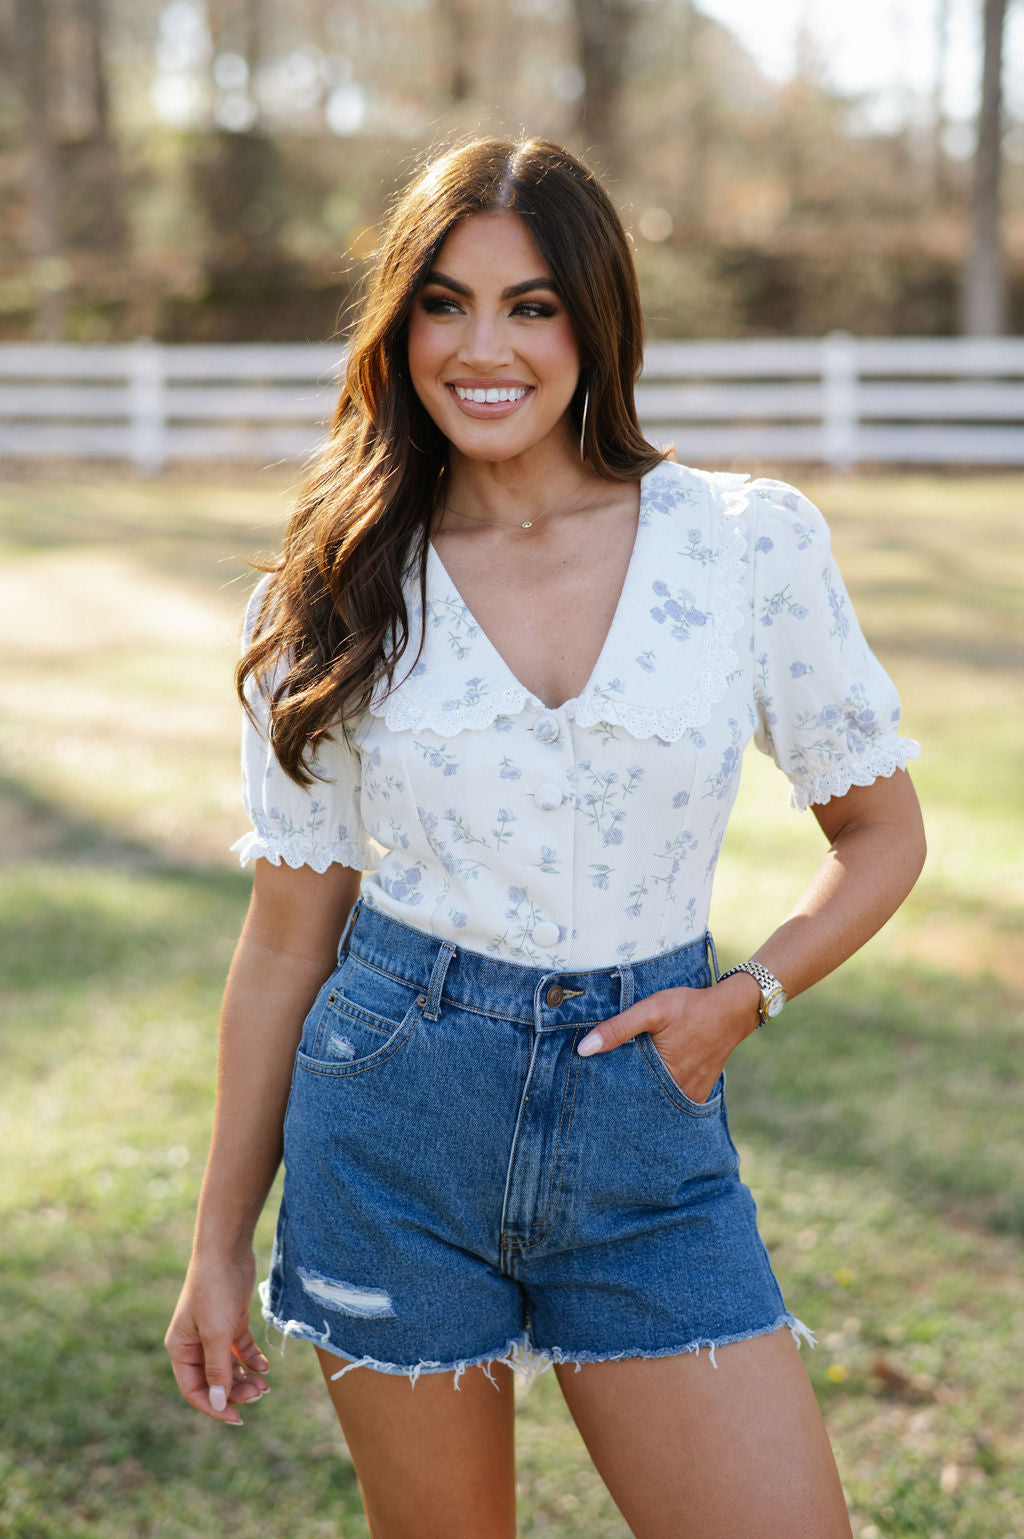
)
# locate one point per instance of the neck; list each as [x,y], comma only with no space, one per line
[509,491]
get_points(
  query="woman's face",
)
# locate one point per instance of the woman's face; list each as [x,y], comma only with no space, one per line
[492,353]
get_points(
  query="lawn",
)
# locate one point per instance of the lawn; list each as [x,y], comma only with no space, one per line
[879,1123]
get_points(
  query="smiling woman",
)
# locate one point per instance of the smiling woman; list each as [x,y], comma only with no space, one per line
[497,692]
[498,352]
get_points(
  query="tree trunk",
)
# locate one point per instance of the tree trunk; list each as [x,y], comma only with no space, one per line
[106,172]
[46,236]
[457,34]
[603,29]
[939,120]
[984,289]
[252,50]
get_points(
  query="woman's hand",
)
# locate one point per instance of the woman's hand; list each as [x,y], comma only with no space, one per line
[693,1030]
[216,1362]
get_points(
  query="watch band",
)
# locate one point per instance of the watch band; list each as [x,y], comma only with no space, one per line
[772,992]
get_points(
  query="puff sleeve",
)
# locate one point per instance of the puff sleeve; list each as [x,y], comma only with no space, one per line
[827,711]
[317,826]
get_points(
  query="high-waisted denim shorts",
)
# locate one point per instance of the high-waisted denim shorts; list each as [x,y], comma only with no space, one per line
[461,1187]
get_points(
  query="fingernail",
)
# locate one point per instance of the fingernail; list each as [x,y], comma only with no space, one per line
[590,1044]
[262,1364]
[238,1423]
[218,1397]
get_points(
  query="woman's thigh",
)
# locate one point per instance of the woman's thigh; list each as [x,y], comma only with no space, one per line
[433,1461]
[694,1451]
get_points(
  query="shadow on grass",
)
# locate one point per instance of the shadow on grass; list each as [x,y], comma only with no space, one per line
[904,1075]
[81,900]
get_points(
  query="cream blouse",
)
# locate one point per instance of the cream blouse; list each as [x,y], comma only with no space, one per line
[573,838]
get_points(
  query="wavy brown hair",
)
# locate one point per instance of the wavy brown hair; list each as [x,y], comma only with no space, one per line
[334,623]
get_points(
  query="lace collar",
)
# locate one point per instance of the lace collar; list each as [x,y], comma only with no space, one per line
[667,657]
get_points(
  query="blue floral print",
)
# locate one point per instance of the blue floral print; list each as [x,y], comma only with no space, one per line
[596,840]
[679,609]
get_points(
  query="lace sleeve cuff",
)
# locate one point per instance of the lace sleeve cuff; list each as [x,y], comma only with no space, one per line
[360,855]
[883,760]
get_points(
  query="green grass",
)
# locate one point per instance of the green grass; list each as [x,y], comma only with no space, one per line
[879,1123]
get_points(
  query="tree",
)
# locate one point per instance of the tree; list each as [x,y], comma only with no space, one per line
[984,306]
[46,233]
[109,228]
[603,29]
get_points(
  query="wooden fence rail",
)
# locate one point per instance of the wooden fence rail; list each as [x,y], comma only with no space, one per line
[839,399]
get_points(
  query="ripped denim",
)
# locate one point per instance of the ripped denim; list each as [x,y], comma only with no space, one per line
[462,1189]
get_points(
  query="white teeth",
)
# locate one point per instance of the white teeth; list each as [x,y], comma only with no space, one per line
[492,393]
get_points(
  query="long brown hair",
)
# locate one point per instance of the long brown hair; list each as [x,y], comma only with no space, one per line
[334,621]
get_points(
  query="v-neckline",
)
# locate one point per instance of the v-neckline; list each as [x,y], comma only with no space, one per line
[631,565]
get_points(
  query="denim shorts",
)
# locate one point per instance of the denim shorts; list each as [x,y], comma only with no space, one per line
[462,1188]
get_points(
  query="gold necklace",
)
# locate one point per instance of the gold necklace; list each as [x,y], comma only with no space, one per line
[498,523]
[495,523]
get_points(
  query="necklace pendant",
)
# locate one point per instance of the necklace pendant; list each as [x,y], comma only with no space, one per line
[527,525]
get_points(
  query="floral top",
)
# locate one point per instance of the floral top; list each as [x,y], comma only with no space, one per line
[580,836]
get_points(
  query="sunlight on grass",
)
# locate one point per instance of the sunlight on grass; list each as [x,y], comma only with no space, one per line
[879,1123]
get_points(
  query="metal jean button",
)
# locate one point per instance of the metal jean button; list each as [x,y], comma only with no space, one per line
[554,996]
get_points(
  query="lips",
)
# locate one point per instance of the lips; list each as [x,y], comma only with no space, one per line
[491,393]
[489,400]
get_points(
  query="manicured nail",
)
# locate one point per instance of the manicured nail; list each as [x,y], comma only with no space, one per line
[261,1364]
[590,1044]
[238,1423]
[218,1397]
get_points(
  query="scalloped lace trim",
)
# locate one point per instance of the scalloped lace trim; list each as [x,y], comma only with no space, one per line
[403,715]
[705,685]
[302,852]
[877,765]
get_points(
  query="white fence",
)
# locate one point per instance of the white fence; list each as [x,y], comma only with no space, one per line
[839,399]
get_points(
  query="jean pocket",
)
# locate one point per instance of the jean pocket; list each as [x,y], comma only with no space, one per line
[360,1019]
[676,1094]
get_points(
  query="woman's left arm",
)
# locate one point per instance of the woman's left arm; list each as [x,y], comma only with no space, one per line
[876,851]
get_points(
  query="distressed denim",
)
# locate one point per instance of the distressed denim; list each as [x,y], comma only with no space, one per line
[462,1188]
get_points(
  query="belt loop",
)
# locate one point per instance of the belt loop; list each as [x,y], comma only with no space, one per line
[709,946]
[625,972]
[436,984]
[349,922]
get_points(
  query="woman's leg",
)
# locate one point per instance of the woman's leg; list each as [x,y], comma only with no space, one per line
[692,1451]
[433,1461]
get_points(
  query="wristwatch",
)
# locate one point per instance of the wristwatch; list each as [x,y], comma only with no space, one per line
[773,995]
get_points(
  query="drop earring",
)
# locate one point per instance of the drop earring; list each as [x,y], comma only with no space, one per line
[583,423]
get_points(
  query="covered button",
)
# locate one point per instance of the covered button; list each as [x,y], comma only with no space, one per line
[548,796]
[545,934]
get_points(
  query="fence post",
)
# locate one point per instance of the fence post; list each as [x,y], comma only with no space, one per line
[839,399]
[147,406]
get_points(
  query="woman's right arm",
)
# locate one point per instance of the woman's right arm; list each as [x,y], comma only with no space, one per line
[287,948]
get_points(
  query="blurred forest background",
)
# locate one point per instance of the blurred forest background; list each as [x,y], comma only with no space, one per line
[214,169]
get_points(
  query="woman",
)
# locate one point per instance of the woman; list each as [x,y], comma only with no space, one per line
[507,666]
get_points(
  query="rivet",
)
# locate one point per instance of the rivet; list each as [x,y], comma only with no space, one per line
[422,999]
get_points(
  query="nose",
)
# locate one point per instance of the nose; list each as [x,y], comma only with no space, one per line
[485,343]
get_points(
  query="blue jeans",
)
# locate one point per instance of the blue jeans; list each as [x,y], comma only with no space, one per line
[462,1188]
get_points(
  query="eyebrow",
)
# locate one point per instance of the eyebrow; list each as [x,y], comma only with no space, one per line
[512,292]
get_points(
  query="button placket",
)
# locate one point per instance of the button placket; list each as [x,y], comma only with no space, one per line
[549,798]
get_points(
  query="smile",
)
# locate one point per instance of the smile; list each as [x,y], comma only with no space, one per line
[492,393]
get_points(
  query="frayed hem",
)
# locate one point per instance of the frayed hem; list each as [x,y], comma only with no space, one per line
[517,1353]
[520,1354]
[710,1344]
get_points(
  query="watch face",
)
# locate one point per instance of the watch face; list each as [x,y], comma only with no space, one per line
[774,1003]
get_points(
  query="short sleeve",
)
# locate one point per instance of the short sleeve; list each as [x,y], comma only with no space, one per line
[318,826]
[828,713]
